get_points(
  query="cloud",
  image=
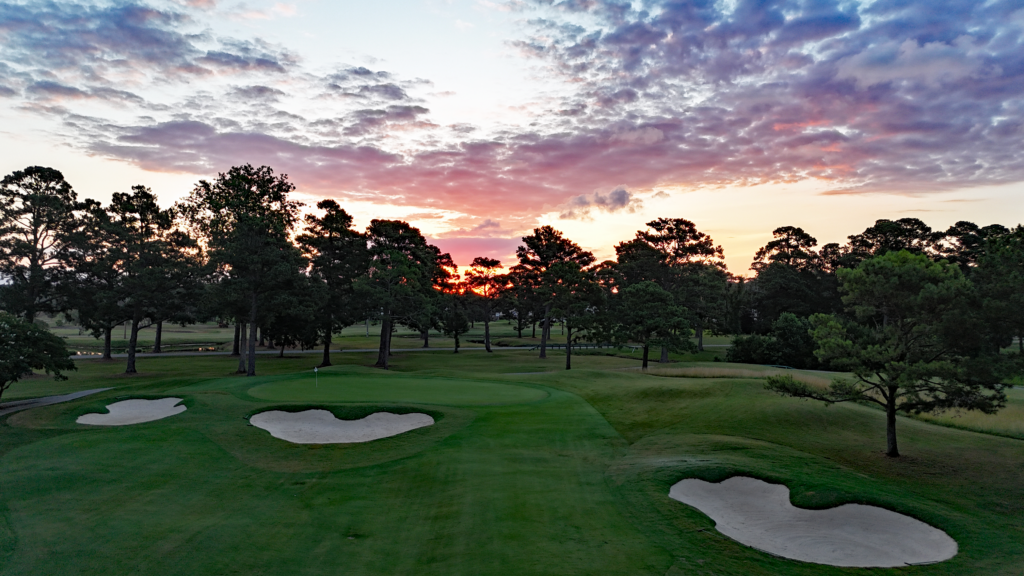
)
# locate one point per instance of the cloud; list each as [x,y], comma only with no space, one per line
[618,199]
[901,97]
[487,228]
[890,97]
[124,40]
[55,91]
[256,92]
[243,12]
[934,63]
[362,122]
[362,83]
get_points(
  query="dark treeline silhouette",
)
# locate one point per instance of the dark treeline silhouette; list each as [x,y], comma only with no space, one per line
[918,316]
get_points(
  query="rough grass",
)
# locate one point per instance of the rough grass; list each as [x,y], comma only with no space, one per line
[733,371]
[573,483]
[1007,422]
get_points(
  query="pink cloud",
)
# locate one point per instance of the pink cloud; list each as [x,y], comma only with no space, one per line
[464,250]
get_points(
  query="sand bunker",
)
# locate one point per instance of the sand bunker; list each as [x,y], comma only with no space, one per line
[321,427]
[134,412]
[760,515]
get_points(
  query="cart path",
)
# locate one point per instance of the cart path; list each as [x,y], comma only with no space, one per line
[18,405]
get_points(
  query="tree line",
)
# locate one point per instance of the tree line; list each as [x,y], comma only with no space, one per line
[919,317]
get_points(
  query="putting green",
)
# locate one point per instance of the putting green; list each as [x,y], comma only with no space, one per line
[377,387]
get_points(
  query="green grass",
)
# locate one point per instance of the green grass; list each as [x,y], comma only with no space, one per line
[355,384]
[529,470]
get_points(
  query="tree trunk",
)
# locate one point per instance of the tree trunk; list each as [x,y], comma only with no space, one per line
[281,355]
[263,338]
[327,350]
[367,327]
[700,338]
[159,336]
[456,343]
[664,355]
[545,331]
[385,347]
[107,333]
[487,334]
[1020,343]
[238,334]
[34,272]
[647,350]
[242,355]
[534,335]
[253,315]
[890,424]
[425,336]
[568,346]
[136,318]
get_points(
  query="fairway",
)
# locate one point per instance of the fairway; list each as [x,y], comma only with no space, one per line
[348,385]
[542,473]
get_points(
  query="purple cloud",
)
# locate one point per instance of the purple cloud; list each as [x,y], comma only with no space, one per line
[909,96]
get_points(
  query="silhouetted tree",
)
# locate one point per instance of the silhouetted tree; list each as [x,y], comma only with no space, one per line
[647,314]
[576,295]
[690,266]
[999,276]
[400,278]
[792,277]
[483,277]
[95,290]
[790,246]
[36,208]
[884,236]
[518,298]
[965,242]
[246,219]
[152,257]
[338,256]
[540,251]
[25,347]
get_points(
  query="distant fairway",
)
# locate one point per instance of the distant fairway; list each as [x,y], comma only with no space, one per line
[369,385]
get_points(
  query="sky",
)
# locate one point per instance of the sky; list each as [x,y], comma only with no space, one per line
[478,120]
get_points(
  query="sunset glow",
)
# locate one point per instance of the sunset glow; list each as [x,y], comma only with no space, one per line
[477,121]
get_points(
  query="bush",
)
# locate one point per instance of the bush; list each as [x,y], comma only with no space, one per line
[789,343]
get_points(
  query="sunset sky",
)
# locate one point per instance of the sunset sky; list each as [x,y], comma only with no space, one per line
[477,120]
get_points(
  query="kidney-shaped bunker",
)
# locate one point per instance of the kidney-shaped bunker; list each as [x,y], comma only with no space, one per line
[760,515]
[321,427]
[133,412]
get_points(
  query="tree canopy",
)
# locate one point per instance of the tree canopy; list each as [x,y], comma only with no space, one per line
[36,209]
[25,347]
[905,344]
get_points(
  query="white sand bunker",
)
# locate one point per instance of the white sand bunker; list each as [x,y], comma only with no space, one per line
[760,515]
[134,412]
[321,427]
